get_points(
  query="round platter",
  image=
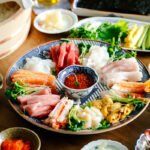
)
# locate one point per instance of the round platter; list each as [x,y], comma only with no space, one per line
[44,49]
[99,20]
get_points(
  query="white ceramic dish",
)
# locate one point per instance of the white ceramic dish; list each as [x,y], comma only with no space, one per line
[113,145]
[69,16]
[98,20]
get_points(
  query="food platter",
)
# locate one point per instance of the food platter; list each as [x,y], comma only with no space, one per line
[99,20]
[40,52]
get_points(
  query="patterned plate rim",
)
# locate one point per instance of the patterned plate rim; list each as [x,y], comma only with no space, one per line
[63,131]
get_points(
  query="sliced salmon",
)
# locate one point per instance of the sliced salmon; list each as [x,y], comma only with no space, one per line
[34,78]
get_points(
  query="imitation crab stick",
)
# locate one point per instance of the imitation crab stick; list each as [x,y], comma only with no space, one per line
[57,118]
[34,78]
[132,87]
[129,87]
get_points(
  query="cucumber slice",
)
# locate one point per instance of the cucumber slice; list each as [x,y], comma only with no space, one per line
[141,40]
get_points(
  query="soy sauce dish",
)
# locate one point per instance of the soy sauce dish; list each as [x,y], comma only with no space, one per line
[78,81]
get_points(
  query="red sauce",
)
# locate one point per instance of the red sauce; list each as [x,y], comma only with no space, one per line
[79,81]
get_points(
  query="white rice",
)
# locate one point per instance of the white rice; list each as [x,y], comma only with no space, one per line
[36,64]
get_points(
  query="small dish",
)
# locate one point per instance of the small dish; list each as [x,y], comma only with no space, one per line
[23,134]
[73,69]
[69,17]
[108,144]
[143,143]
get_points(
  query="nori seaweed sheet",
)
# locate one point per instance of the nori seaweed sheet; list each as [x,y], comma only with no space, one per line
[126,6]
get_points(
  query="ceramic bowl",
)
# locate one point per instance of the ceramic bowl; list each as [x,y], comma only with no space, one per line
[106,143]
[141,143]
[73,69]
[23,134]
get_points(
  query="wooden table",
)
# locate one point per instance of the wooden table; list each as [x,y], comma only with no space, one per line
[127,135]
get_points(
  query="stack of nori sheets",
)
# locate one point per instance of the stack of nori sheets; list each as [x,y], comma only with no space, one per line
[126,6]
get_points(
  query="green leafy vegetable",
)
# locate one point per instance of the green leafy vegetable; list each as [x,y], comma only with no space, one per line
[75,123]
[104,124]
[85,31]
[107,31]
[20,89]
[137,102]
[115,52]
[76,83]
[104,32]
[88,104]
[84,49]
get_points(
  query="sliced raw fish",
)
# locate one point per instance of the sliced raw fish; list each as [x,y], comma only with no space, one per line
[34,78]
[54,53]
[37,111]
[45,91]
[124,65]
[42,99]
[45,100]
[111,78]
[71,57]
[62,55]
[121,70]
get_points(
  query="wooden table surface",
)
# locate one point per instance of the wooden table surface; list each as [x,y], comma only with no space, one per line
[127,135]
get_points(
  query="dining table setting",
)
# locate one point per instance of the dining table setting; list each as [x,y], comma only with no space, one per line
[74,75]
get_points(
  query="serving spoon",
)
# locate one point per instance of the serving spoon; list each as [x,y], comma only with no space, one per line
[23,3]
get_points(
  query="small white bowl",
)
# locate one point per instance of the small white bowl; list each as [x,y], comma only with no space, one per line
[113,144]
[69,16]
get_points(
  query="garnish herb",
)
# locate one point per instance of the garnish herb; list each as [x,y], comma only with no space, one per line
[104,32]
[20,89]
[104,124]
[116,53]
[84,49]
[88,104]
[137,102]
[76,83]
[75,123]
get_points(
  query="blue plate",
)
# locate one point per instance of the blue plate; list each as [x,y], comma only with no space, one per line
[44,49]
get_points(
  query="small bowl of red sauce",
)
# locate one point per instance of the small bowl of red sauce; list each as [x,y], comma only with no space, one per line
[78,81]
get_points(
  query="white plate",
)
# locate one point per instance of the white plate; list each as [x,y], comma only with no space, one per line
[114,145]
[70,17]
[98,20]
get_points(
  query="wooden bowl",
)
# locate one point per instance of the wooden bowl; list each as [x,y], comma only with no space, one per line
[14,31]
[19,133]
